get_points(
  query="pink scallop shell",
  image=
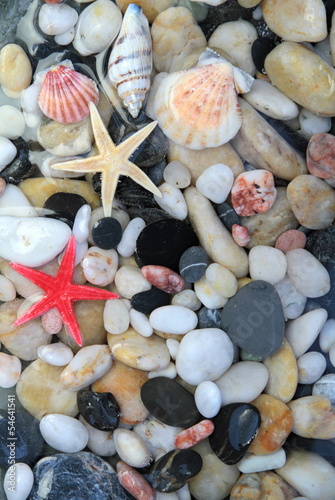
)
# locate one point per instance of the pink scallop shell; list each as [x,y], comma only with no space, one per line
[66,94]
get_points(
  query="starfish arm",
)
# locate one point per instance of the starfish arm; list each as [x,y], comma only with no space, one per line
[69,319]
[109,180]
[128,146]
[84,292]
[131,170]
[43,280]
[39,308]
[89,164]
[102,138]
[65,271]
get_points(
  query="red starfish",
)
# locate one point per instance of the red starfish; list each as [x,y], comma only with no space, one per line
[60,292]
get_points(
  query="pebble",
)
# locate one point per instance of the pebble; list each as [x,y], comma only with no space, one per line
[140,323]
[99,442]
[163,278]
[243,382]
[215,182]
[172,201]
[100,410]
[107,233]
[310,474]
[15,70]
[209,318]
[327,335]
[290,240]
[136,351]
[12,122]
[129,281]
[177,174]
[177,320]
[308,275]
[134,482]
[319,156]
[310,324]
[276,425]
[169,402]
[221,279]
[193,264]
[14,203]
[295,70]
[325,386]
[256,463]
[212,346]
[258,485]
[207,398]
[283,373]
[191,436]
[65,38]
[253,192]
[313,417]
[261,47]
[186,298]
[254,319]
[240,235]
[170,372]
[80,228]
[236,425]
[159,437]
[64,433]
[64,206]
[131,448]
[127,245]
[125,384]
[7,289]
[18,481]
[57,354]
[227,215]
[10,370]
[173,346]
[267,264]
[310,123]
[8,152]
[100,266]
[213,236]
[146,302]
[116,317]
[311,366]
[56,19]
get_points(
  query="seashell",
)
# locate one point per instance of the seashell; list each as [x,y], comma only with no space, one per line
[198,108]
[130,62]
[97,26]
[65,94]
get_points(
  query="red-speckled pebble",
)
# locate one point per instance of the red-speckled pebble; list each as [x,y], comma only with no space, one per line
[134,482]
[253,192]
[290,240]
[52,321]
[191,436]
[320,156]
[240,235]
[163,278]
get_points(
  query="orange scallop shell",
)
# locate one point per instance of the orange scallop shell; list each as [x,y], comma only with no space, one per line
[66,94]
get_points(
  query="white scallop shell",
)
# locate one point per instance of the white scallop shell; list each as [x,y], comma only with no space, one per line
[130,62]
[97,27]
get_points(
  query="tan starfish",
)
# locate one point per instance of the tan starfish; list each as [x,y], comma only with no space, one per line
[112,161]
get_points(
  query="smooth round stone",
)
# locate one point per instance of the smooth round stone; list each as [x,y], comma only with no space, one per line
[163,242]
[10,370]
[221,279]
[193,264]
[186,298]
[327,335]
[56,19]
[139,352]
[254,319]
[52,321]
[325,386]
[293,302]
[261,47]
[81,223]
[15,69]
[260,484]
[290,240]
[236,425]
[267,263]
[173,319]
[320,156]
[52,478]
[312,201]
[215,182]
[131,448]
[8,152]
[12,122]
[134,482]
[140,323]
[116,316]
[308,275]
[159,437]
[18,481]
[243,382]
[204,354]
[310,123]
[209,318]
[64,433]
[207,398]
[170,402]
[100,266]
[227,215]
[256,463]
[303,76]
[99,442]
[283,373]
[65,139]
[276,425]
[174,469]
[127,245]
[100,410]
[130,281]
[107,233]
[311,366]
[57,354]
[177,174]
[302,332]
[207,294]
[28,444]
[172,201]
[313,417]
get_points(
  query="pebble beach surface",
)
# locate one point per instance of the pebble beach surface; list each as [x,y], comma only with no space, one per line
[167,265]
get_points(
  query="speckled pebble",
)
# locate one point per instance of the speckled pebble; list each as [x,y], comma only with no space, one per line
[290,240]
[177,174]
[52,321]
[163,278]
[253,192]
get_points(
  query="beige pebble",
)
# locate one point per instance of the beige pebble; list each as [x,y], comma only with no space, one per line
[100,266]
[262,486]
[10,370]
[151,8]
[116,316]
[125,384]
[7,289]
[303,76]
[65,139]
[40,391]
[283,373]
[313,417]
[221,279]
[207,294]
[129,280]
[15,69]
[312,201]
[136,351]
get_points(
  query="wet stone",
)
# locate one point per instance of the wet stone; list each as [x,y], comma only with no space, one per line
[254,319]
[147,301]
[320,156]
[20,168]
[107,233]
[174,469]
[193,264]
[209,318]
[131,194]
[227,215]
[101,410]
[261,47]
[236,425]
[170,402]
[320,446]
[64,206]
[148,214]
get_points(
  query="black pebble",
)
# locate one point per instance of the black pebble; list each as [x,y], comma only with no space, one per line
[20,168]
[261,47]
[101,410]
[132,194]
[193,264]
[293,137]
[107,233]
[148,214]
[209,318]
[227,215]
[145,302]
[64,206]
[323,447]
[170,402]
[230,10]
[236,425]
[156,172]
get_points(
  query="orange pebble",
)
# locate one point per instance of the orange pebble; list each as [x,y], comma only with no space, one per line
[240,235]
[163,278]
[191,436]
[134,482]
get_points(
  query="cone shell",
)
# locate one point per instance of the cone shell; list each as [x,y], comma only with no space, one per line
[66,94]
[198,108]
[130,62]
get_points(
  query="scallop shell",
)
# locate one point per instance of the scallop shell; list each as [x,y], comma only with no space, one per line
[66,94]
[130,62]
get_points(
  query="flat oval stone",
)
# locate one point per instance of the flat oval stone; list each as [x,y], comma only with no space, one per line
[193,264]
[290,240]
[320,156]
[170,402]
[311,366]
[100,266]
[24,479]
[207,397]
[131,448]
[313,417]
[236,425]
[283,373]
[10,370]
[64,433]
[100,410]
[302,332]
[173,319]
[149,300]
[254,319]
[307,273]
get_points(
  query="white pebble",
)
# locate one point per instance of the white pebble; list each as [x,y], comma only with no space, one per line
[308,275]
[100,266]
[129,281]
[172,201]
[207,398]
[207,295]
[221,279]
[311,366]
[302,332]
[215,182]
[327,335]
[169,372]
[7,289]
[165,496]
[12,122]
[65,38]
[7,152]
[57,354]
[10,370]
[186,298]
[173,319]
[13,202]
[257,463]
[131,448]
[173,346]
[80,228]
[29,103]
[332,354]
[293,302]
[64,433]
[116,317]
[100,442]
[56,19]
[311,123]
[177,175]
[267,264]
[18,482]
[140,323]
[127,245]
[184,493]
[267,99]
[158,436]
